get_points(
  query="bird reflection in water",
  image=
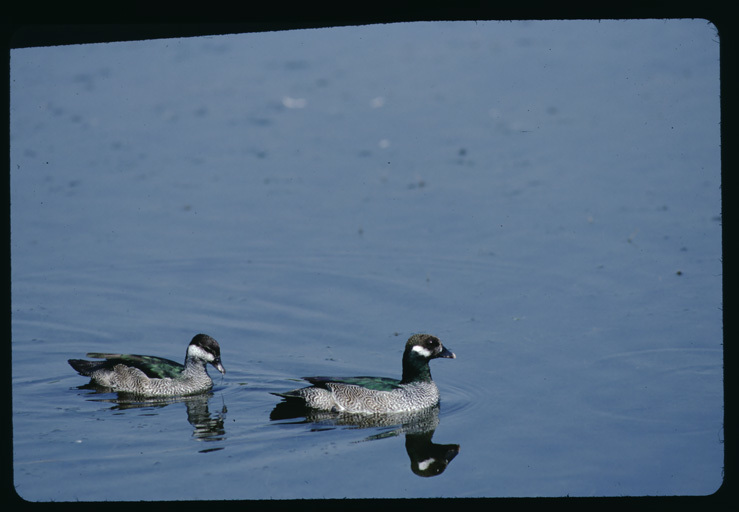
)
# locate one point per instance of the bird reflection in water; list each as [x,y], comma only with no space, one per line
[207,426]
[427,458]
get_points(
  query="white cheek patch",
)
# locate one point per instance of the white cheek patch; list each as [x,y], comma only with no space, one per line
[424,352]
[424,464]
[195,351]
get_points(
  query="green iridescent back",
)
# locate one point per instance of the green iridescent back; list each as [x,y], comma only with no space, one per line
[374,383]
[153,367]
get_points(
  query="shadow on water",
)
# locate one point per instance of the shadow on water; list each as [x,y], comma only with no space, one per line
[427,458]
[207,426]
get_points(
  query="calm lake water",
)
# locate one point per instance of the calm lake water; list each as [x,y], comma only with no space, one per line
[543,196]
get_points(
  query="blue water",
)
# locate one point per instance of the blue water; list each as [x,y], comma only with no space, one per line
[543,196]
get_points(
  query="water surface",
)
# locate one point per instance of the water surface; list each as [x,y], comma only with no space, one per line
[543,196]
